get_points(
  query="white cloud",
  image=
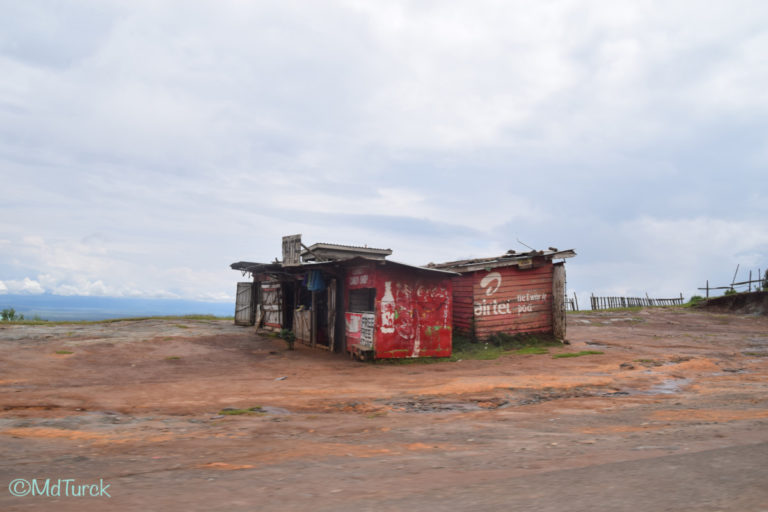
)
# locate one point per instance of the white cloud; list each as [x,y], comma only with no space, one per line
[22,286]
[143,154]
[666,257]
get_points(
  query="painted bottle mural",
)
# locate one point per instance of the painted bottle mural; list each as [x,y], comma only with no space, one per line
[388,309]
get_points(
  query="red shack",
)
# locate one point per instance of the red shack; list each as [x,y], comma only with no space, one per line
[397,310]
[514,293]
[349,299]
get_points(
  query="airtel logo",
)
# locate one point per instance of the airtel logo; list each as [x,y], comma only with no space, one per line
[487,281]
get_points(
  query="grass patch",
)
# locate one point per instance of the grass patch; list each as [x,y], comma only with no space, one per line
[181,326]
[172,358]
[376,414]
[531,350]
[576,354]
[409,360]
[229,411]
[64,352]
[501,344]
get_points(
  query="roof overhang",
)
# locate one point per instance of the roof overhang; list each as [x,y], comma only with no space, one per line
[381,263]
[277,268]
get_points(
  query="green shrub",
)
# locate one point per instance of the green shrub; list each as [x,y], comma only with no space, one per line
[289,337]
[10,315]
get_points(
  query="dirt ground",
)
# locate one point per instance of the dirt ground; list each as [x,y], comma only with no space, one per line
[673,415]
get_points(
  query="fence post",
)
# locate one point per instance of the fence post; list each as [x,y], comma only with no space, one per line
[750,280]
[707,288]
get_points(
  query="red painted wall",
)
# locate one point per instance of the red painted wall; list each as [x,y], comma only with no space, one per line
[505,299]
[413,310]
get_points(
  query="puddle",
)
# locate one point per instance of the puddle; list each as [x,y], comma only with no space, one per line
[274,410]
[667,387]
[437,406]
[419,406]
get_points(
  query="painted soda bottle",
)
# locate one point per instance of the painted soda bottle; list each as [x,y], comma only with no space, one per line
[388,309]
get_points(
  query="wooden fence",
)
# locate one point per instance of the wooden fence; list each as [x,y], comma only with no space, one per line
[631,302]
[759,284]
[571,304]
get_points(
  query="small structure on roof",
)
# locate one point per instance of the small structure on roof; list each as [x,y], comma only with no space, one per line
[349,299]
[336,252]
[513,293]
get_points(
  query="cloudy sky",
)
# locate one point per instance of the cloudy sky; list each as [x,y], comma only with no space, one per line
[144,146]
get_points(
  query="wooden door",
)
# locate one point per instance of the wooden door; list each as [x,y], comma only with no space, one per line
[331,314]
[244,304]
[272,299]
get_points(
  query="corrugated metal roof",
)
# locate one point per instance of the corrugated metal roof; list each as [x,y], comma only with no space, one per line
[251,266]
[378,262]
[324,245]
[332,246]
[248,266]
[510,258]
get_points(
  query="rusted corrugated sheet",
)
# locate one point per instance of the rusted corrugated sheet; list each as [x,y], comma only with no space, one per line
[463,303]
[413,311]
[505,299]
[513,301]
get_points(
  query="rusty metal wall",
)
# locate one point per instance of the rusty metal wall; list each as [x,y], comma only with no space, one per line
[504,299]
[463,304]
[413,316]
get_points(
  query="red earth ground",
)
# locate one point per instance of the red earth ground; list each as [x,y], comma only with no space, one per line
[671,416]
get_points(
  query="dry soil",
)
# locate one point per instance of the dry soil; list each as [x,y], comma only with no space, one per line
[671,416]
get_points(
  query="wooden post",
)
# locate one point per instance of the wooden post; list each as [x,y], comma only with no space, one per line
[576,301]
[707,288]
[750,280]
[558,302]
[313,321]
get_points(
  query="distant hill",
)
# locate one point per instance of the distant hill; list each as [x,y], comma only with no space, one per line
[59,307]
